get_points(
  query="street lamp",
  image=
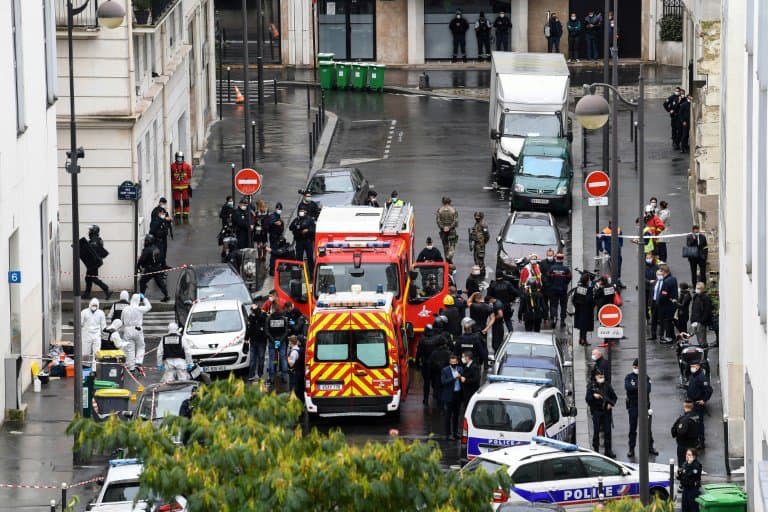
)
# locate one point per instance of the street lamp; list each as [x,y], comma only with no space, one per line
[110,15]
[592,112]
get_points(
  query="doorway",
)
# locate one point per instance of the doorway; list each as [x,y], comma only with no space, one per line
[629,23]
[348,29]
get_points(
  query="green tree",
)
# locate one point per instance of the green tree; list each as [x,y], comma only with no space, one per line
[245,450]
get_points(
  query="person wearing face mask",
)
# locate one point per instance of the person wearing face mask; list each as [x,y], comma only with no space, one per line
[699,391]
[653,291]
[260,228]
[451,381]
[558,279]
[458,27]
[92,323]
[665,216]
[672,106]
[575,29]
[309,206]
[553,31]
[583,301]
[531,270]
[372,199]
[181,183]
[503,27]
[174,357]
[689,474]
[631,387]
[303,229]
[470,379]
[447,220]
[683,307]
[601,399]
[701,314]
[483,34]
[532,310]
[605,247]
[503,289]
[696,251]
[593,27]
[684,115]
[225,214]
[685,431]
[133,320]
[429,253]
[241,221]
[275,225]
[475,279]
[478,239]
[600,365]
[665,297]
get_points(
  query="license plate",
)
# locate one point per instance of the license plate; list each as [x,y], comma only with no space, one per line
[540,201]
[330,386]
[209,369]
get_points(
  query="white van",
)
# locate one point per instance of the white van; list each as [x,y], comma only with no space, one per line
[215,330]
[509,411]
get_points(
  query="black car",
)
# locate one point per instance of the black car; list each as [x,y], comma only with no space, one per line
[523,234]
[208,281]
[342,186]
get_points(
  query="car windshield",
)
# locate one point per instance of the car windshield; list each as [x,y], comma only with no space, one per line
[328,184]
[532,373]
[208,322]
[120,491]
[369,276]
[530,235]
[367,347]
[542,166]
[529,350]
[526,124]
[489,466]
[503,415]
[234,291]
[157,405]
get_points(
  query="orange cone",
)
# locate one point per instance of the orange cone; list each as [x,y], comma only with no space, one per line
[239,98]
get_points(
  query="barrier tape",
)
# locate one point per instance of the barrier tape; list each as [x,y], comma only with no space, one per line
[47,486]
[637,237]
[137,274]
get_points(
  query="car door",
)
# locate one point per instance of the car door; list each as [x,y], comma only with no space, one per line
[618,482]
[552,418]
[292,284]
[426,288]
[560,480]
[567,419]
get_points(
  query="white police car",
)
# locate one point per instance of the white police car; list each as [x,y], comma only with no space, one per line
[508,411]
[550,471]
[121,486]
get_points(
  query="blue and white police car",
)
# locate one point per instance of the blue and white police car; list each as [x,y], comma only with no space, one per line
[121,487]
[508,411]
[563,474]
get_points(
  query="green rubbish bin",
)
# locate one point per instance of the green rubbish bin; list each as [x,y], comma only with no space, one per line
[376,72]
[325,57]
[105,384]
[722,498]
[327,71]
[343,71]
[360,76]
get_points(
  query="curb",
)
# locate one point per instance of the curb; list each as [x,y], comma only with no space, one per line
[321,153]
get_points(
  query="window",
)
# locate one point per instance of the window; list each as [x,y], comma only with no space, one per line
[504,415]
[526,474]
[18,65]
[329,184]
[205,322]
[563,468]
[530,235]
[530,373]
[291,281]
[368,276]
[366,347]
[140,160]
[50,52]
[563,406]
[429,282]
[371,348]
[530,125]
[749,214]
[121,491]
[150,149]
[172,29]
[543,166]
[530,350]
[762,264]
[488,466]
[551,412]
[332,346]
[598,466]
[157,405]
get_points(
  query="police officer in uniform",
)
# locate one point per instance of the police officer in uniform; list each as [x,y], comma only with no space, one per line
[471,341]
[173,355]
[161,227]
[483,34]
[689,474]
[631,387]
[427,345]
[151,265]
[309,206]
[303,229]
[699,392]
[429,253]
[110,337]
[447,222]
[241,221]
[277,327]
[685,430]
[558,279]
[458,27]
[601,399]
[672,106]
[93,258]
[478,239]
[296,366]
[505,291]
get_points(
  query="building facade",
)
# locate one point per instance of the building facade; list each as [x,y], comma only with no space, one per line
[142,92]
[29,196]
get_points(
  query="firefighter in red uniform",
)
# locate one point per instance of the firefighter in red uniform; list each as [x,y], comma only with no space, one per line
[181,177]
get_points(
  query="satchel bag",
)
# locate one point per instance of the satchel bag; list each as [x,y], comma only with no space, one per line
[691,252]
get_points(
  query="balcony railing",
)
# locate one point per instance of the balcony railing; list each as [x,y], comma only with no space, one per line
[673,8]
[157,9]
[86,19]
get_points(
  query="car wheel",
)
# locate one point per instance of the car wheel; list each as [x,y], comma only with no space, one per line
[659,493]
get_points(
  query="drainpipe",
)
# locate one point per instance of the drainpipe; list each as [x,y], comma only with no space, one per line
[166,132]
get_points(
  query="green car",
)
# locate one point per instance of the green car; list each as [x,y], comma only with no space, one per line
[543,174]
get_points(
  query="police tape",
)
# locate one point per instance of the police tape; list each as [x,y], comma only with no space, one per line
[138,274]
[654,237]
[99,478]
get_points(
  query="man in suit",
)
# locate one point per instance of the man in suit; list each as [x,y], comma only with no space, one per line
[665,297]
[451,380]
[698,263]
[470,379]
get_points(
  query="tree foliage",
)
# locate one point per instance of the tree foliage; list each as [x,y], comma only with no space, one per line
[634,505]
[245,450]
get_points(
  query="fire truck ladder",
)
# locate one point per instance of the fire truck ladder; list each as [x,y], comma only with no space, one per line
[395,219]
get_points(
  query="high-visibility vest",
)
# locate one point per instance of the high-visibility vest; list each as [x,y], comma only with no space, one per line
[650,243]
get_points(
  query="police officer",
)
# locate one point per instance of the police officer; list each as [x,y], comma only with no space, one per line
[241,222]
[117,308]
[297,324]
[309,206]
[478,239]
[427,345]
[173,355]
[151,266]
[685,430]
[447,221]
[600,365]
[483,34]
[532,306]
[558,279]
[699,392]
[429,253]
[458,27]
[225,214]
[279,250]
[583,300]
[672,105]
[256,335]
[472,342]
[451,313]
[601,399]
[689,474]
[684,118]
[93,260]
[631,387]
[161,227]
[503,289]
[502,26]
[275,225]
[303,229]
[296,366]
[277,327]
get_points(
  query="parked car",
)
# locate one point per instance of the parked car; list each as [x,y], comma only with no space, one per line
[532,355]
[342,186]
[208,281]
[543,175]
[215,330]
[163,398]
[523,234]
[121,486]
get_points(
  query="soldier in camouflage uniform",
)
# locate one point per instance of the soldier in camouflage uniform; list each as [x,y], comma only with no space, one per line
[478,239]
[447,222]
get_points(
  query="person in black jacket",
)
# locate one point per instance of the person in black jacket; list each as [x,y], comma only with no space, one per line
[631,386]
[554,33]
[372,199]
[684,114]
[458,27]
[503,289]
[303,229]
[280,250]
[583,301]
[665,298]
[160,226]
[701,314]
[275,225]
[256,335]
[683,308]
[427,345]
[470,380]
[698,258]
[575,28]
[151,266]
[672,106]
[503,26]
[309,206]
[429,253]
[241,221]
[689,474]
[225,214]
[297,324]
[601,399]
[93,260]
[532,308]
[558,279]
[483,34]
[277,329]
[699,392]
[685,430]
[471,341]
[600,365]
[475,279]
[438,360]
[451,312]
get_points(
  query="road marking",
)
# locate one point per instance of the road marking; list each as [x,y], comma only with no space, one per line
[354,161]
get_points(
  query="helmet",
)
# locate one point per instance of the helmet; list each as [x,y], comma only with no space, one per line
[446,200]
[467,323]
[428,330]
[440,322]
[149,239]
[479,215]
[448,300]
[94,230]
[179,156]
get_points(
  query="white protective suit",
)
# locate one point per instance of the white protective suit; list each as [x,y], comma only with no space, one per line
[114,336]
[92,322]
[133,333]
[175,367]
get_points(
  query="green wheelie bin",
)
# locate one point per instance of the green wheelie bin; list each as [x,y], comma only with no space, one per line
[343,71]
[325,57]
[376,72]
[722,498]
[359,76]
[327,72]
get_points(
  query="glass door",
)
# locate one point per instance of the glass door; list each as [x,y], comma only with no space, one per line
[348,29]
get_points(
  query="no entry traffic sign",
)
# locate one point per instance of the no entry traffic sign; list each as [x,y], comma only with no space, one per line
[247,181]
[609,315]
[597,184]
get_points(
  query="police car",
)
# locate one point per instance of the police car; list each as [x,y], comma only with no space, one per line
[121,486]
[550,471]
[510,410]
[534,355]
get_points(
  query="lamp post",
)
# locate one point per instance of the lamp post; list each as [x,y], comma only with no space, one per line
[110,15]
[592,112]
[246,85]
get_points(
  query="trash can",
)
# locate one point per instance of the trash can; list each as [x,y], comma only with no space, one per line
[105,384]
[722,498]
[342,74]
[326,75]
[325,57]
[110,366]
[359,76]
[112,400]
[377,77]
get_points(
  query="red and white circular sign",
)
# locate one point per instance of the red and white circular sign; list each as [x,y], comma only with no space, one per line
[609,315]
[597,183]
[247,181]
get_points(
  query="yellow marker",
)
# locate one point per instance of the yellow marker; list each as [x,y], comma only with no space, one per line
[35,369]
[133,398]
[140,389]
